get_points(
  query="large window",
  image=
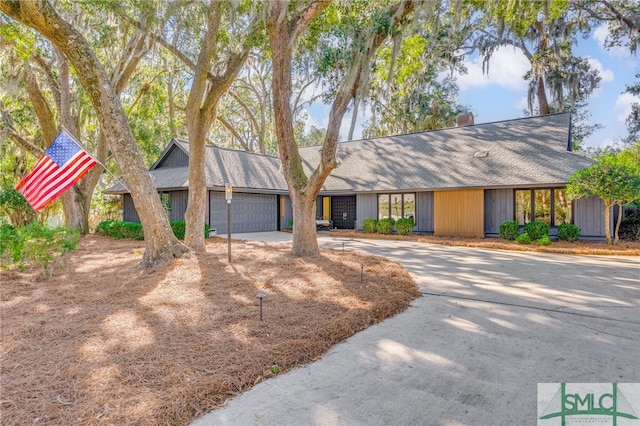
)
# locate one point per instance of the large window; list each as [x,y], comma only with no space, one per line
[545,205]
[397,206]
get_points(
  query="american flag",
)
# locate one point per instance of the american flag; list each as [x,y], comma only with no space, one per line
[61,165]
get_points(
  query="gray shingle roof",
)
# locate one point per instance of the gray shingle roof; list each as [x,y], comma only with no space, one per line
[514,153]
[523,152]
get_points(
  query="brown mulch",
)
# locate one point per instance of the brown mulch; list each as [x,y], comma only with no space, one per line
[623,248]
[102,342]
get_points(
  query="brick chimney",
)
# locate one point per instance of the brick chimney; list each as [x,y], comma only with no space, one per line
[465,119]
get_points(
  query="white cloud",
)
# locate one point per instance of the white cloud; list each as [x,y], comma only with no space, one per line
[600,35]
[607,75]
[622,107]
[506,68]
[523,103]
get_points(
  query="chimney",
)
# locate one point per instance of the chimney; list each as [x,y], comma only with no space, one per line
[465,119]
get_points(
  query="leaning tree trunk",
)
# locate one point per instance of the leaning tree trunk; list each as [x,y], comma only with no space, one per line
[618,222]
[160,243]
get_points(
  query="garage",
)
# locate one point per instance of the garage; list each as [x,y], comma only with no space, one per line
[249,212]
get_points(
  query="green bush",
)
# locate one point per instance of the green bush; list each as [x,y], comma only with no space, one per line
[133,230]
[568,232]
[544,241]
[509,230]
[536,229]
[385,226]
[35,245]
[523,239]
[119,230]
[369,225]
[404,226]
[630,226]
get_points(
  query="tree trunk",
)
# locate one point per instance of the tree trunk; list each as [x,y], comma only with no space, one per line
[607,220]
[160,243]
[543,103]
[196,207]
[618,222]
[305,240]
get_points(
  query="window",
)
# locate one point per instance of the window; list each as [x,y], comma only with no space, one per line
[562,207]
[547,205]
[397,206]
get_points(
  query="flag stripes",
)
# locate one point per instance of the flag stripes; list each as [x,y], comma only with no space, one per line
[48,180]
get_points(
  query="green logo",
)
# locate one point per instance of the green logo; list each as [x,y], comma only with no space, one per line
[588,402]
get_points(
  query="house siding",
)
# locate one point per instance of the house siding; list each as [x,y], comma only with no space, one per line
[178,203]
[174,158]
[366,207]
[129,212]
[424,212]
[498,208]
[589,217]
[459,213]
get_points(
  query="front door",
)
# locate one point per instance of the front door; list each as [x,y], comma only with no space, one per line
[343,212]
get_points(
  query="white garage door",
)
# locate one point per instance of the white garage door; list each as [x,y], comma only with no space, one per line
[249,212]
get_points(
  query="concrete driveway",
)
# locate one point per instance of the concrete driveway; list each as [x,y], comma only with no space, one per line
[489,327]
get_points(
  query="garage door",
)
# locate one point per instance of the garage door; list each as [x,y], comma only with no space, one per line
[249,212]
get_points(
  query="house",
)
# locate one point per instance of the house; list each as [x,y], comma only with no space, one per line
[459,181]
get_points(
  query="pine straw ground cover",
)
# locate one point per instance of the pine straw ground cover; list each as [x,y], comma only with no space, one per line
[101,342]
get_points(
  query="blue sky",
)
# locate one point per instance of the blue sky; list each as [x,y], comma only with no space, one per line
[502,94]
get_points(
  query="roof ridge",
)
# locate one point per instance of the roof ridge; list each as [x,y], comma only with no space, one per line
[448,128]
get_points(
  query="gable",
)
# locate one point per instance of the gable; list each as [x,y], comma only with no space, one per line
[174,157]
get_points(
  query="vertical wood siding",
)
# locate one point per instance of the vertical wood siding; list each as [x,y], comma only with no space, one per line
[588,215]
[175,157]
[366,207]
[459,212]
[178,200]
[424,212]
[498,208]
[129,213]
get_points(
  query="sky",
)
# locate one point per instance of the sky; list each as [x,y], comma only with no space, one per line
[502,93]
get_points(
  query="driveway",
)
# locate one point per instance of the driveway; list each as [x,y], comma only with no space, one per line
[489,327]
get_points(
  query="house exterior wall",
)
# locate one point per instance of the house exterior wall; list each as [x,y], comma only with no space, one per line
[175,158]
[366,207]
[424,212]
[178,205]
[129,213]
[588,215]
[498,208]
[459,212]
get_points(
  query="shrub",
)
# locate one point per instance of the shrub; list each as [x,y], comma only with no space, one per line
[385,226]
[536,229]
[119,230]
[568,232]
[35,245]
[369,225]
[630,226]
[544,241]
[133,230]
[523,239]
[404,226]
[509,230]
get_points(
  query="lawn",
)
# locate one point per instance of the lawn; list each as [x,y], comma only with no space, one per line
[101,342]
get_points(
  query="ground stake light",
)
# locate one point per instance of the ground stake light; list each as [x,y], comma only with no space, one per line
[261,296]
